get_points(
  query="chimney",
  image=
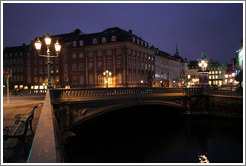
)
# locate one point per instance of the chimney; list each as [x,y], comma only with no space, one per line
[130,31]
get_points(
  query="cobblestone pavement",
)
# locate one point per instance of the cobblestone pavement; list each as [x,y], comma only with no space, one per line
[13,151]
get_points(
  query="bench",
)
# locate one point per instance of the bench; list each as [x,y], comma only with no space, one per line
[19,129]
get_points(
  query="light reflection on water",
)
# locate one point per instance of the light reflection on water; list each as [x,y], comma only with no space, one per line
[203,159]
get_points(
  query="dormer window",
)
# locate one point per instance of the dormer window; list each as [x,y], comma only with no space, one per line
[81,43]
[137,41]
[146,45]
[141,43]
[94,41]
[74,43]
[133,39]
[113,38]
[104,40]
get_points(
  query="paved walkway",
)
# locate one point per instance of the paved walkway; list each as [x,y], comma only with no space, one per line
[13,151]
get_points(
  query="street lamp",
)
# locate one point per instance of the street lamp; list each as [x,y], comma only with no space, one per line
[203,65]
[107,74]
[57,46]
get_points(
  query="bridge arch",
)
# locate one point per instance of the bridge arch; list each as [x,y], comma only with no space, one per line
[168,107]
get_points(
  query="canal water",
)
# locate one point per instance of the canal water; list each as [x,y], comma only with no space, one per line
[155,134]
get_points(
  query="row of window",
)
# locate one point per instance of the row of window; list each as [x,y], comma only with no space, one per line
[16,69]
[17,78]
[80,80]
[214,72]
[42,70]
[81,66]
[215,77]
[94,41]
[142,43]
[42,80]
[6,55]
[13,61]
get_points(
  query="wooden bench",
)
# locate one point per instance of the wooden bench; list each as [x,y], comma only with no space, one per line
[19,129]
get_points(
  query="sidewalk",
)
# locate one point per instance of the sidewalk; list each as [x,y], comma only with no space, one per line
[13,151]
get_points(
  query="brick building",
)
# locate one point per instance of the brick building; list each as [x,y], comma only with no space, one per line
[83,59]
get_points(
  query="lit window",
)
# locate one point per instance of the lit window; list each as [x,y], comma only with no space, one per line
[212,72]
[226,76]
[209,72]
[110,80]
[219,72]
[209,82]
[209,77]
[216,72]
[216,76]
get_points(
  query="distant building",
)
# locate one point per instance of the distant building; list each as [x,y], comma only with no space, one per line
[239,64]
[193,76]
[170,71]
[216,74]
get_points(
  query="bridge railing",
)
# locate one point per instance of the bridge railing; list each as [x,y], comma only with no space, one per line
[93,92]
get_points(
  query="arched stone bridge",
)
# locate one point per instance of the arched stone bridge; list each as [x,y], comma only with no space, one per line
[74,106]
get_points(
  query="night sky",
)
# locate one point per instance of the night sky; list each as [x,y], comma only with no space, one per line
[216,28]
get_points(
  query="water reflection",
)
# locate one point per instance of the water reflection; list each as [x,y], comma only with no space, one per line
[150,134]
[203,159]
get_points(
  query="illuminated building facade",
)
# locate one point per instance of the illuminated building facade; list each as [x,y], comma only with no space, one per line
[83,59]
[170,71]
[193,76]
[216,74]
[239,64]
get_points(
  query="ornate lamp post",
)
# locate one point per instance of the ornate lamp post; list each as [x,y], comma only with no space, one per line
[48,55]
[107,74]
[203,65]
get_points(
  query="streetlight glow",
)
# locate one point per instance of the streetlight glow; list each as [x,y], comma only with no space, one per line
[48,55]
[57,46]
[38,44]
[47,40]
[107,74]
